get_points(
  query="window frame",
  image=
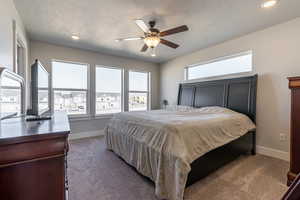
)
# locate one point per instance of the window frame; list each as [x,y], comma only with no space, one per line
[95,91]
[142,92]
[11,75]
[186,69]
[87,90]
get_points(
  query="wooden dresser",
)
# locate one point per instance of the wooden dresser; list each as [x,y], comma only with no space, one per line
[294,85]
[33,158]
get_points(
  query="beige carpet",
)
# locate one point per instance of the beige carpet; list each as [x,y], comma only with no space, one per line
[98,174]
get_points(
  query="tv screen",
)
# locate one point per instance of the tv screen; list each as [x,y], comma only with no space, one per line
[39,89]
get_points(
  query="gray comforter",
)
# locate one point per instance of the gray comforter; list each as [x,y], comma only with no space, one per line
[162,144]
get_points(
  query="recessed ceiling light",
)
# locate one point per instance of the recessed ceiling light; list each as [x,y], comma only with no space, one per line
[269,3]
[75,37]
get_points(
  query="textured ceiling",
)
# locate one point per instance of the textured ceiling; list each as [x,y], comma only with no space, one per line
[100,22]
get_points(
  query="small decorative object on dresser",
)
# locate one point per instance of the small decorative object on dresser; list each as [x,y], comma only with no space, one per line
[294,85]
[165,103]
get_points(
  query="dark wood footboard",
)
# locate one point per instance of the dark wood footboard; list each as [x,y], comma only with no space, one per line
[219,157]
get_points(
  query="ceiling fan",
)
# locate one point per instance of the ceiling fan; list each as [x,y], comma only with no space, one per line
[152,36]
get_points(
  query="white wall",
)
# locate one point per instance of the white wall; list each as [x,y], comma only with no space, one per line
[45,52]
[11,30]
[276,56]
[7,43]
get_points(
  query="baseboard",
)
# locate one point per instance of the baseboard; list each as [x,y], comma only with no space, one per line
[88,134]
[273,153]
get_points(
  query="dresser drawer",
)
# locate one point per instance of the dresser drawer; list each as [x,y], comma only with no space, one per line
[35,180]
[31,150]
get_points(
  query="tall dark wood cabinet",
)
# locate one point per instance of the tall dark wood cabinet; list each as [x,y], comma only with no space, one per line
[294,85]
[33,158]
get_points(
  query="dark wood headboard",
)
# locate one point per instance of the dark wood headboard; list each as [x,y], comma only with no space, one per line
[238,94]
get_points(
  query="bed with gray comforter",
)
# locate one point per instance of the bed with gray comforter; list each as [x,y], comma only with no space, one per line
[161,144]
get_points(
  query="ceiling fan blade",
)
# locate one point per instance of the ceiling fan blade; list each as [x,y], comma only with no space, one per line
[144,48]
[140,23]
[128,39]
[169,44]
[174,30]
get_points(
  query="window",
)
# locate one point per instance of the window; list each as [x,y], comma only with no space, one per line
[138,97]
[108,90]
[70,87]
[225,66]
[11,95]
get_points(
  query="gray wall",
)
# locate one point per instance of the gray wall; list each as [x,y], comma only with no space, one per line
[8,35]
[46,52]
[276,56]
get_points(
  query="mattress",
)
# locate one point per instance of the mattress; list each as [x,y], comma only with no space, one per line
[161,144]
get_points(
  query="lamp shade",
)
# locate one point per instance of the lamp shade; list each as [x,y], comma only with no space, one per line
[152,41]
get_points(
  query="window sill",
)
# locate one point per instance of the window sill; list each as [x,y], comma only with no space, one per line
[88,117]
[104,116]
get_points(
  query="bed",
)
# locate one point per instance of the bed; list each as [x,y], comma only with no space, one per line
[175,148]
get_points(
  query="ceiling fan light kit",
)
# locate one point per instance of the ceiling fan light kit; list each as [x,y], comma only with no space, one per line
[152,41]
[153,37]
[268,3]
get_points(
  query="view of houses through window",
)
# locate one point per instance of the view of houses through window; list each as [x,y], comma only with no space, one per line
[138,90]
[108,90]
[43,89]
[10,96]
[70,87]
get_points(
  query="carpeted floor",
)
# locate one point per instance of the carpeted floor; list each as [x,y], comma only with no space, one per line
[98,174]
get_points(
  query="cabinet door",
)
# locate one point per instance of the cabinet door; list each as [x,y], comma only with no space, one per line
[42,179]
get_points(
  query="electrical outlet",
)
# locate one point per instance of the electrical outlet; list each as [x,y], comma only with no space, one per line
[283,136]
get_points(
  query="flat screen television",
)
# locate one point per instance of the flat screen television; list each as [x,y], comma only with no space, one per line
[39,91]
